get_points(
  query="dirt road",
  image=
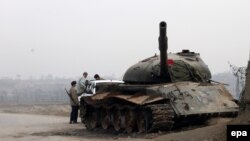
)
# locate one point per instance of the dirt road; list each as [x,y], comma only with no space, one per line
[25,127]
[50,123]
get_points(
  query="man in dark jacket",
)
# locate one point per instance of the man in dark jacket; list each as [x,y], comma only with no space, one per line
[97,77]
[74,103]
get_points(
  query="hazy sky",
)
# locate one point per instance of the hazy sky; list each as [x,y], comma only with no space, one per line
[66,37]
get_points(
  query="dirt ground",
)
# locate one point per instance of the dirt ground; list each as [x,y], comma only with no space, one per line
[50,122]
[56,110]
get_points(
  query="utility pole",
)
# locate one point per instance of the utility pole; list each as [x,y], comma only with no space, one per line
[246,96]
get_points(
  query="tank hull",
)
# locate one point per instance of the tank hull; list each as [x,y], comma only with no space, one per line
[156,107]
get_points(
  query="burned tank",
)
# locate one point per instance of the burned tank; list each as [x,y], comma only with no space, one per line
[158,93]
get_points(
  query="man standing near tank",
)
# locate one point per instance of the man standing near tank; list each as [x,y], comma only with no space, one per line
[74,103]
[97,77]
[82,84]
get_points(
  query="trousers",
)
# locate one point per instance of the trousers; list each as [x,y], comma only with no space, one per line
[74,114]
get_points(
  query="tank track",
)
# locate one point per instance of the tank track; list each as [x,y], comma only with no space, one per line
[153,118]
[162,117]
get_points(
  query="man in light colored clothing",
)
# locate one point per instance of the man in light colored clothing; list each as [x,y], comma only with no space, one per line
[82,84]
[74,103]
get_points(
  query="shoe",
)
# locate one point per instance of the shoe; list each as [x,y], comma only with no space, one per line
[70,122]
[75,122]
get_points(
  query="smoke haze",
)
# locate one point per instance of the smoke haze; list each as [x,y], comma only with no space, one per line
[64,38]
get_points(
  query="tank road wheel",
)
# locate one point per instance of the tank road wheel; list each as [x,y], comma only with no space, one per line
[143,122]
[92,119]
[105,118]
[130,120]
[117,120]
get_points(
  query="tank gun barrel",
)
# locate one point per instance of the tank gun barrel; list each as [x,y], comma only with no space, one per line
[163,47]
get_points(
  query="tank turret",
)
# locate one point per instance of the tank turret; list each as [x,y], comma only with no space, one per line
[168,67]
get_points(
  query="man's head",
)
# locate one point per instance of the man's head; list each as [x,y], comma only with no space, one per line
[97,77]
[73,83]
[85,74]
